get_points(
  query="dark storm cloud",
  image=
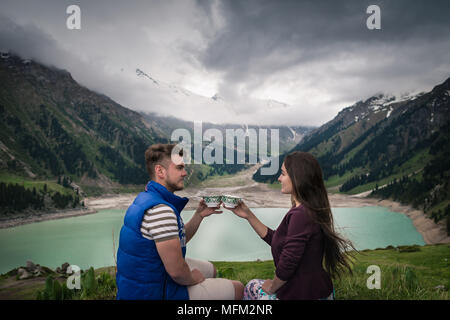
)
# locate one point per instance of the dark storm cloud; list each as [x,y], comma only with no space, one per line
[297,32]
[29,41]
[316,56]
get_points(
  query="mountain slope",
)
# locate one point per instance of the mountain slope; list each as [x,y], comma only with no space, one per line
[53,126]
[289,136]
[381,141]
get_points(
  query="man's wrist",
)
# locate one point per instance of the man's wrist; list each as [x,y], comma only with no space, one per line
[198,214]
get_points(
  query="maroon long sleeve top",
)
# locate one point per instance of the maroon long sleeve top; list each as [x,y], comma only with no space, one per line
[297,250]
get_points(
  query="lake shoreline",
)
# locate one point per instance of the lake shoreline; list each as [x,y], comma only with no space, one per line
[256,196]
[37,216]
[432,233]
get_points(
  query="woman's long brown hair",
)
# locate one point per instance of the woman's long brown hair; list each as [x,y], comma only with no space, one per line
[309,189]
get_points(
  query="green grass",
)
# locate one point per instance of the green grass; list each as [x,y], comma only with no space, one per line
[355,150]
[337,180]
[96,191]
[53,186]
[407,272]
[414,164]
[245,271]
[419,161]
[404,275]
[372,185]
[30,184]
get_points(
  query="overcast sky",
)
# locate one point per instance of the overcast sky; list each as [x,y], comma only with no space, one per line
[315,56]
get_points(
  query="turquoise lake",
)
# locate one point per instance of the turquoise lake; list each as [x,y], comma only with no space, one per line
[88,240]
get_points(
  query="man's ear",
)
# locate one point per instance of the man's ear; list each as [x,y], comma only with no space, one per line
[160,171]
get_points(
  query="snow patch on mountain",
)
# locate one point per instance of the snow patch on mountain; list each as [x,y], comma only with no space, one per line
[405,97]
[172,99]
[389,112]
[293,133]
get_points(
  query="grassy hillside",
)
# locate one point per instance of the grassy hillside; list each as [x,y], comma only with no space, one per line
[18,194]
[407,272]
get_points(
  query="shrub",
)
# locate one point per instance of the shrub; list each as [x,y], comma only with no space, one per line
[93,287]
[410,279]
[413,248]
[53,290]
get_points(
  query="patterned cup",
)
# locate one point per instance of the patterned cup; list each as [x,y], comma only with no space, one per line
[212,201]
[230,201]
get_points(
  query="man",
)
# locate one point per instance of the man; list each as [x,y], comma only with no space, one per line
[151,260]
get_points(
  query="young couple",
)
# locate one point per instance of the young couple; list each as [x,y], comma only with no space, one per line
[151,262]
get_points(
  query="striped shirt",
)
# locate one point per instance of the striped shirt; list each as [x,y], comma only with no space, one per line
[160,223]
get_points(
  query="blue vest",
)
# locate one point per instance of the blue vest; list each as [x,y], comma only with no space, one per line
[140,271]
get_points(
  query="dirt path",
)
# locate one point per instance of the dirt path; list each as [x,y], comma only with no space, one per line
[12,289]
[255,194]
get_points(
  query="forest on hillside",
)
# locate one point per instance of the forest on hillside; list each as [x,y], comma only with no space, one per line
[15,198]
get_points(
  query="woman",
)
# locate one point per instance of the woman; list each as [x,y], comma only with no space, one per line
[303,239]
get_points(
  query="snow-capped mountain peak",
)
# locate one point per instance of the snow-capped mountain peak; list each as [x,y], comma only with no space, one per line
[174,100]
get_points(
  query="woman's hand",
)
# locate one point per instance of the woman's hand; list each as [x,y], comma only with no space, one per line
[241,210]
[203,210]
[267,286]
[271,286]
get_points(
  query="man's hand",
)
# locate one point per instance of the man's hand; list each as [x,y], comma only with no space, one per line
[203,210]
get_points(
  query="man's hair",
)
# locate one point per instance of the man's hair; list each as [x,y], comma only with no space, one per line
[157,154]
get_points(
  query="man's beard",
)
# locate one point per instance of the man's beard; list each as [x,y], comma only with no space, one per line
[174,187]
